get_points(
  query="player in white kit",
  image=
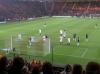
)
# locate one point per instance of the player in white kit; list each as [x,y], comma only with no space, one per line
[64,33]
[32,39]
[19,37]
[43,38]
[61,40]
[61,32]
[40,31]
[68,43]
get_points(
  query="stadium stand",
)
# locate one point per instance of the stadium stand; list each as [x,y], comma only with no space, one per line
[21,10]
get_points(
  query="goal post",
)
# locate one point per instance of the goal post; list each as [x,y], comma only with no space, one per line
[38,48]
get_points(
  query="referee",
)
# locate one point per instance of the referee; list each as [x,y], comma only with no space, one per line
[86,37]
[46,36]
[74,36]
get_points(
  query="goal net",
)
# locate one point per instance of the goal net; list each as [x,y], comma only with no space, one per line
[38,48]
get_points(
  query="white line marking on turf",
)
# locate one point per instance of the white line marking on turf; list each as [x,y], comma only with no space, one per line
[76,56]
[65,55]
[84,53]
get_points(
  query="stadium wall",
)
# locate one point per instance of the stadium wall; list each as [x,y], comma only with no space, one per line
[38,17]
[75,16]
[2,22]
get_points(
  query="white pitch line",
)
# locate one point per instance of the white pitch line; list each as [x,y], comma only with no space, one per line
[84,53]
[75,56]
[66,55]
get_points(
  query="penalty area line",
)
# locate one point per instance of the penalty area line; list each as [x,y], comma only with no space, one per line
[84,53]
[76,56]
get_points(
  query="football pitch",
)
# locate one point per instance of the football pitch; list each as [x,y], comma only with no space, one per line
[60,54]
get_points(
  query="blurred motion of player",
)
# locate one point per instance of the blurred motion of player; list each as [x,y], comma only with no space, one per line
[40,31]
[68,42]
[86,37]
[78,41]
[96,25]
[44,24]
[43,38]
[61,32]
[64,33]
[19,37]
[61,39]
[32,39]
[29,42]
[74,37]
[46,36]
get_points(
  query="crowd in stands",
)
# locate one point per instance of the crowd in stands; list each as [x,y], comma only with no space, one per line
[19,10]
[18,65]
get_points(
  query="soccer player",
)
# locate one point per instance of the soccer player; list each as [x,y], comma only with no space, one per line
[61,32]
[74,36]
[44,24]
[19,37]
[61,39]
[96,25]
[46,36]
[7,51]
[40,31]
[32,39]
[86,37]
[64,33]
[68,43]
[29,42]
[43,38]
[78,41]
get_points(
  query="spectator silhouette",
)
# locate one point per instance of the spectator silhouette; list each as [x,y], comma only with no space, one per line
[77,69]
[36,70]
[18,64]
[92,67]
[47,68]
[3,65]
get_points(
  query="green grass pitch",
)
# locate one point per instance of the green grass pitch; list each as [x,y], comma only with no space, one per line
[62,54]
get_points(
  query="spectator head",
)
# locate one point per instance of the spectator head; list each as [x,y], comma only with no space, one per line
[33,62]
[47,68]
[18,62]
[3,62]
[92,66]
[36,70]
[40,64]
[77,69]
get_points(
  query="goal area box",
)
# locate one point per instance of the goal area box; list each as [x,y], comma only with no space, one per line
[38,48]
